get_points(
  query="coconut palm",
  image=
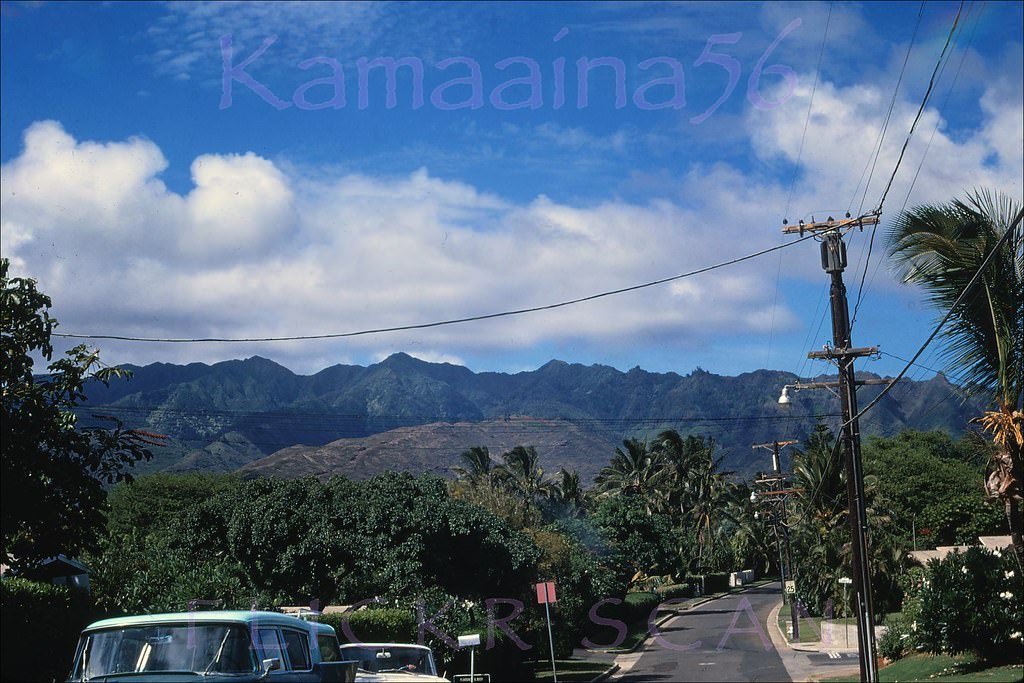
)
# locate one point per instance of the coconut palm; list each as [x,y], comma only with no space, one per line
[521,473]
[477,465]
[637,469]
[568,493]
[941,247]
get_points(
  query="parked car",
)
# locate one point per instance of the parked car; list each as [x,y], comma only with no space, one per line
[392,662]
[217,646]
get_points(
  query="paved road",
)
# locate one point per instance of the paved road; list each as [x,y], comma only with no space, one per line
[722,640]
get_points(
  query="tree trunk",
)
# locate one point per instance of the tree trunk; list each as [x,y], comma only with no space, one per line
[1013,518]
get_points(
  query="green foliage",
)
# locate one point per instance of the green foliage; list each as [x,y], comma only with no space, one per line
[40,625]
[150,502]
[139,574]
[53,472]
[934,481]
[270,542]
[972,602]
[640,540]
[940,248]
[374,625]
[896,642]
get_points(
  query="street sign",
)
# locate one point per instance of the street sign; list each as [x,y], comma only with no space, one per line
[790,586]
[546,593]
[845,580]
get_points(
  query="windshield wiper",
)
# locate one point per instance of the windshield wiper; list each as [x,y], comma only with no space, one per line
[220,651]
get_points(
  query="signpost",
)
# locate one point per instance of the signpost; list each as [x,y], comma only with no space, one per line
[545,596]
[470,641]
[846,581]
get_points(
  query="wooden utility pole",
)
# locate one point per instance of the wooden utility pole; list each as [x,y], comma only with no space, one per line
[833,261]
[777,484]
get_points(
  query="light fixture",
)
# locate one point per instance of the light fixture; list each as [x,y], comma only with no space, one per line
[784,399]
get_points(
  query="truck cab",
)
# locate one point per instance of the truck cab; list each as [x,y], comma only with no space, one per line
[238,646]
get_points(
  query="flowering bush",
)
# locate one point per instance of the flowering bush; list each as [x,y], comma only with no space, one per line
[971,602]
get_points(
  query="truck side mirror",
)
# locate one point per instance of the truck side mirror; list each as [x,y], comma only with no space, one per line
[271,664]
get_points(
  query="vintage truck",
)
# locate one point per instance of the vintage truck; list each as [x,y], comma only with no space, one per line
[390,662]
[217,646]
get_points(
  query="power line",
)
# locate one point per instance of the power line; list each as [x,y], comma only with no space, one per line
[877,148]
[920,109]
[888,387]
[810,105]
[440,323]
[945,103]
[963,295]
[939,66]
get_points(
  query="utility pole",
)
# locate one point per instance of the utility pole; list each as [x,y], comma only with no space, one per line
[833,261]
[785,565]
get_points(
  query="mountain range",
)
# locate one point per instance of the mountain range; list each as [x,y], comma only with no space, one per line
[403,413]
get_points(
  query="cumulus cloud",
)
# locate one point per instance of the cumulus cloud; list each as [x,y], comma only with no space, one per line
[252,252]
[260,249]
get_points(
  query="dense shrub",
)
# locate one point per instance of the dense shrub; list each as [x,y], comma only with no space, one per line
[374,625]
[971,602]
[40,626]
[896,641]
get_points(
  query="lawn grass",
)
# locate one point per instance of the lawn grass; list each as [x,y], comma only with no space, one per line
[943,668]
[810,627]
[569,669]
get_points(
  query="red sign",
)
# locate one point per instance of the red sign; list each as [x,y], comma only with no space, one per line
[546,592]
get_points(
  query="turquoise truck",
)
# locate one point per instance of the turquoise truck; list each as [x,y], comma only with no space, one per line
[214,647]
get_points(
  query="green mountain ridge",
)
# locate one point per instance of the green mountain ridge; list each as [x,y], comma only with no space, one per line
[227,415]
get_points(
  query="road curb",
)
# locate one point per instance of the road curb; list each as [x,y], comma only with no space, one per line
[675,612]
[605,674]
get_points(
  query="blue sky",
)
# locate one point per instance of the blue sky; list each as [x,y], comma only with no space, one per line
[156,188]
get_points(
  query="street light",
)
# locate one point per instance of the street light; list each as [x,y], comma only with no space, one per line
[784,399]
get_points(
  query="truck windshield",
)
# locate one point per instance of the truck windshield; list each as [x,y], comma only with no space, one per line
[391,658]
[202,648]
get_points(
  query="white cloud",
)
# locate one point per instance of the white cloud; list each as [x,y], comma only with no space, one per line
[253,252]
[259,249]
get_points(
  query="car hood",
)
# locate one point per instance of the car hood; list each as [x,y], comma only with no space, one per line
[397,677]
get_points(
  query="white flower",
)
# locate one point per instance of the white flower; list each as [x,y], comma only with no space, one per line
[1015,635]
[1006,595]
[1009,574]
[963,569]
[997,553]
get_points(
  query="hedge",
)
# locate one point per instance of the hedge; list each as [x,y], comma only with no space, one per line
[40,623]
[375,625]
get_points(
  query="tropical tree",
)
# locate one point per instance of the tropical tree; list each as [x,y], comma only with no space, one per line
[697,492]
[521,473]
[568,496]
[940,248]
[478,465]
[635,469]
[54,470]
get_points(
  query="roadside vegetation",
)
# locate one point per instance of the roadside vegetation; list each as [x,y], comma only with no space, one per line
[434,556]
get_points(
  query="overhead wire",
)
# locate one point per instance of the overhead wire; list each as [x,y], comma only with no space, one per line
[939,66]
[913,360]
[796,166]
[872,159]
[439,323]
[945,102]
[920,109]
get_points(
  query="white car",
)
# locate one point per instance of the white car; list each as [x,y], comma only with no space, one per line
[392,662]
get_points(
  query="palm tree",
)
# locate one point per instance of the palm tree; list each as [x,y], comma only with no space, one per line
[941,247]
[478,465]
[522,474]
[568,493]
[634,468]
